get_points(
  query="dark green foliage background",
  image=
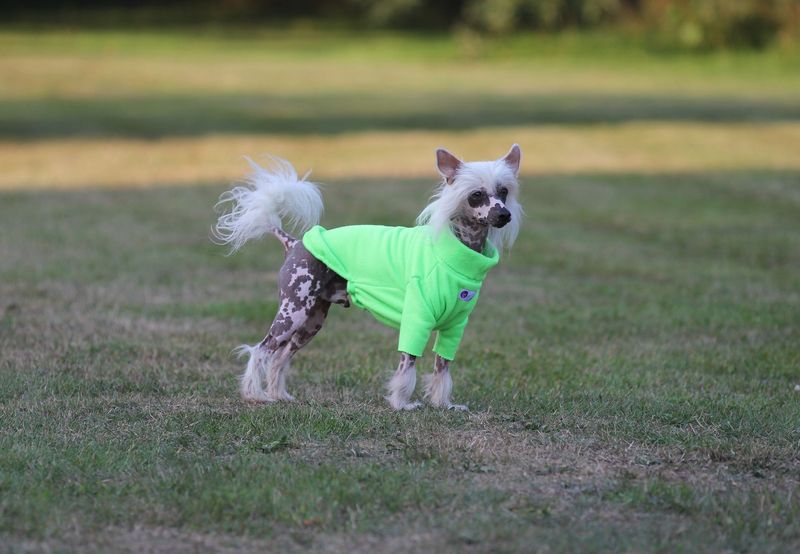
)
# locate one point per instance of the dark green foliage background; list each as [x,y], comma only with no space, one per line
[684,24]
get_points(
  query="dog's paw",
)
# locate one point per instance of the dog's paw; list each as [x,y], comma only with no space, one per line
[408,406]
[257,398]
[458,407]
[280,397]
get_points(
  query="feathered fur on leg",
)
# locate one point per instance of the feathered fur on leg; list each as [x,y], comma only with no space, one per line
[401,385]
[439,386]
[265,365]
[276,375]
[250,385]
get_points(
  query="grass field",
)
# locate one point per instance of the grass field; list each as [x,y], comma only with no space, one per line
[631,368]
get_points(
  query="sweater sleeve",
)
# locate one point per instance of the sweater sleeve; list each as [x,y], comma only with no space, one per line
[416,322]
[448,339]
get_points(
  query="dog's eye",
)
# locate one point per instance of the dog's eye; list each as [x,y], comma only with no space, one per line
[502,192]
[476,195]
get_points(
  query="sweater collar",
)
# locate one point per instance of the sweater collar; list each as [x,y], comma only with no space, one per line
[461,258]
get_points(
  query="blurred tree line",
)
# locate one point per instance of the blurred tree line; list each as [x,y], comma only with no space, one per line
[689,23]
[694,24]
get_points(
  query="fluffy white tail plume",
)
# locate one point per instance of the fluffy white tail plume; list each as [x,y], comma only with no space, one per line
[269,198]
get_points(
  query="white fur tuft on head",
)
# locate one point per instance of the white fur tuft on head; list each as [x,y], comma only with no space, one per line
[268,198]
[460,178]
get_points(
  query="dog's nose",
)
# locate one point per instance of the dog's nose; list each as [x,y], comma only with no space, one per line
[503,218]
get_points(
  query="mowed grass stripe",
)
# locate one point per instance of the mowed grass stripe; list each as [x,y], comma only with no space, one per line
[643,147]
[43,64]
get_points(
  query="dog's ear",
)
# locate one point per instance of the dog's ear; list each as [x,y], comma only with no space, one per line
[513,158]
[447,164]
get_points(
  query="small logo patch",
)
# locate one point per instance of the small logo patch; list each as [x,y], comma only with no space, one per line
[466,295]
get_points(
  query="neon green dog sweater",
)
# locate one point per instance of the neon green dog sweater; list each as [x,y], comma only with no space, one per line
[407,280]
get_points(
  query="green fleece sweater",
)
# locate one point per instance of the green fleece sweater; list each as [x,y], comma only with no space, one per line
[407,280]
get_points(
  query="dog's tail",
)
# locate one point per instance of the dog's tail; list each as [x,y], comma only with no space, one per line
[267,199]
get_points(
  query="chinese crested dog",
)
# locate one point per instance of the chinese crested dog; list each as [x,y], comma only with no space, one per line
[417,279]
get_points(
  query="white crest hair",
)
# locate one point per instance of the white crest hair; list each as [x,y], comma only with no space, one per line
[448,199]
[268,198]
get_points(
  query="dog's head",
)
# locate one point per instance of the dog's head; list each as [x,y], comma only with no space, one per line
[479,194]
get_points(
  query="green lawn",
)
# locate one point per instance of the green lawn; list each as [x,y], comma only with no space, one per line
[630,369]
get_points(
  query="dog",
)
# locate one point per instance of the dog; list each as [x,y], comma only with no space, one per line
[417,279]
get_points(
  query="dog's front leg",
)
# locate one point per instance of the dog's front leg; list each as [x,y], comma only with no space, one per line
[401,386]
[439,386]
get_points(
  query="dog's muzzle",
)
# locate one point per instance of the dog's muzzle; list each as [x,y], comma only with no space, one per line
[502,218]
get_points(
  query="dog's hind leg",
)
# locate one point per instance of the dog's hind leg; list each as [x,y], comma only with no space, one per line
[276,374]
[304,284]
[269,360]
[301,335]
[270,356]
